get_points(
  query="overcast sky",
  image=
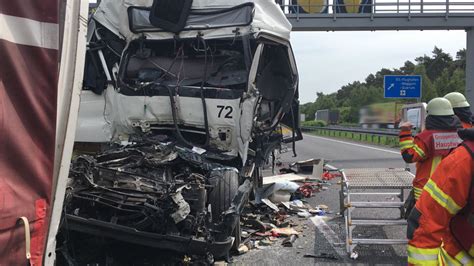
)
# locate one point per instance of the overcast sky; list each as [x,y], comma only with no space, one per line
[328,60]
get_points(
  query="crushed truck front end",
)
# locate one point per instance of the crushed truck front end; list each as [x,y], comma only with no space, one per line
[180,124]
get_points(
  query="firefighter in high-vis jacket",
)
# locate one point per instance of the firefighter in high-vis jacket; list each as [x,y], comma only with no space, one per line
[432,144]
[461,108]
[441,226]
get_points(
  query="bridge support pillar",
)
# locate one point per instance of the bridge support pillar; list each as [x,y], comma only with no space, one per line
[470,67]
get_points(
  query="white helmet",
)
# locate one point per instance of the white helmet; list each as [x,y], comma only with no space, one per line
[457,100]
[439,107]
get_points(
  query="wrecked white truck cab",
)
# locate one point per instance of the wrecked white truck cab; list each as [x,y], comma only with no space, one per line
[200,91]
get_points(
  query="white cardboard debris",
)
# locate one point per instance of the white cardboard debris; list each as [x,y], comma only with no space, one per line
[279,178]
[280,196]
[269,189]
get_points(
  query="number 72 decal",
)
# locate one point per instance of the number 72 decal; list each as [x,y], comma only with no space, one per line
[227,113]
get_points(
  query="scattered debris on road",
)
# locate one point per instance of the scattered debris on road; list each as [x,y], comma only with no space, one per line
[280,178]
[288,242]
[279,213]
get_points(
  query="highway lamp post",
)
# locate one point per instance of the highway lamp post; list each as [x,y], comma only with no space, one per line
[470,67]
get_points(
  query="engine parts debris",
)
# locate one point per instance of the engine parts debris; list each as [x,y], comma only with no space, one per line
[154,190]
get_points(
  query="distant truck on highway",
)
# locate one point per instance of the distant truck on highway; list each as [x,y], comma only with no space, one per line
[380,115]
[331,117]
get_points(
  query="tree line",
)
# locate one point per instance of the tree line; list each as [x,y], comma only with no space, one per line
[441,74]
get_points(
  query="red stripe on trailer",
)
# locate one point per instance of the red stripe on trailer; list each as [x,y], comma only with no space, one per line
[40,10]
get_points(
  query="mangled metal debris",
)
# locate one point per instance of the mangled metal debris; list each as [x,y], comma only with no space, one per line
[153,189]
[183,207]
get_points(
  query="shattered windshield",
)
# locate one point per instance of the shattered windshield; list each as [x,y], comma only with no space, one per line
[215,63]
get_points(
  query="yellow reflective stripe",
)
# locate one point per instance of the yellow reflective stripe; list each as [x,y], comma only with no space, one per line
[416,261]
[425,251]
[419,151]
[423,256]
[417,192]
[464,258]
[446,259]
[409,144]
[406,147]
[434,164]
[406,144]
[441,198]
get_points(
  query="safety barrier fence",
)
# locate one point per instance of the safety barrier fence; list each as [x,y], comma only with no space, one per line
[377,137]
[388,132]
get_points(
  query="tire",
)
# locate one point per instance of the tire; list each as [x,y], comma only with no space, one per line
[226,185]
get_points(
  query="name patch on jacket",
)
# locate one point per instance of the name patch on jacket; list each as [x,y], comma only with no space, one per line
[446,141]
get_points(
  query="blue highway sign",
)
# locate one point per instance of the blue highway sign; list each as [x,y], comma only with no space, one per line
[402,86]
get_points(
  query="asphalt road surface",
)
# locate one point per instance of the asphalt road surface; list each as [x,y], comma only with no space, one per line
[328,237]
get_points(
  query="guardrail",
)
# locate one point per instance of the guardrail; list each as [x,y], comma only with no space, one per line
[377,137]
[389,132]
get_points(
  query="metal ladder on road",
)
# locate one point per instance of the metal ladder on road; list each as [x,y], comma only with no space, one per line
[375,179]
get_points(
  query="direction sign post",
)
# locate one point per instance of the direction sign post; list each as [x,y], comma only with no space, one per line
[402,86]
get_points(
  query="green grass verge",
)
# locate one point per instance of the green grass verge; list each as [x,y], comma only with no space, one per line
[391,141]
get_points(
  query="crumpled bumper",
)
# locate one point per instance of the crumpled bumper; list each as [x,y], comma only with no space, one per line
[179,244]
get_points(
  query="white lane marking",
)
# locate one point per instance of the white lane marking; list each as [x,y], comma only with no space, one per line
[329,234]
[353,144]
[29,32]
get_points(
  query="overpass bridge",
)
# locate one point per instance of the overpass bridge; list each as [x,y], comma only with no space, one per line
[373,15]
